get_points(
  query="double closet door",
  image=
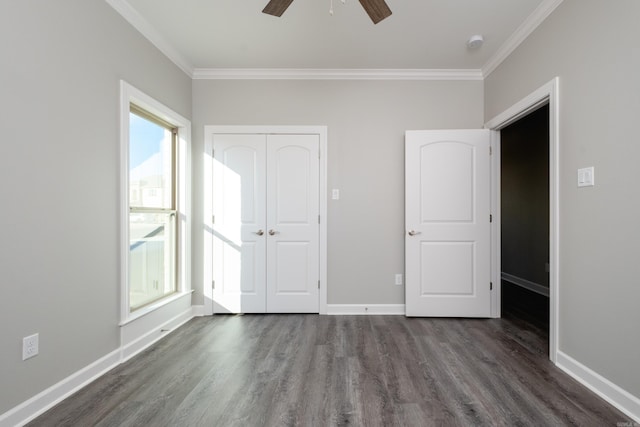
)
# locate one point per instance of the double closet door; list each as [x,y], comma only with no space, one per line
[266,223]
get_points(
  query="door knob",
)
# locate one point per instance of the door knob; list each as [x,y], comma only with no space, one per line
[272,232]
[413,232]
[259,232]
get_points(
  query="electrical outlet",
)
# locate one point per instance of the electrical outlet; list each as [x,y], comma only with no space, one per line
[30,346]
[399,279]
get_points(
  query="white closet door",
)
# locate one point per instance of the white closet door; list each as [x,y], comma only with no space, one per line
[447,219]
[239,235]
[292,223]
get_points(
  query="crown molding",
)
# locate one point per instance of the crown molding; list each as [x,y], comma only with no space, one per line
[333,74]
[522,32]
[147,30]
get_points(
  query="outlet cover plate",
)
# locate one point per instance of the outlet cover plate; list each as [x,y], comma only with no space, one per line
[30,346]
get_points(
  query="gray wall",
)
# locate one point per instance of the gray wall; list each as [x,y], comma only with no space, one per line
[366,122]
[592,45]
[524,195]
[59,174]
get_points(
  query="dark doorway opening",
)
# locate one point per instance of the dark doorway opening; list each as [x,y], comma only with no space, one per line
[524,171]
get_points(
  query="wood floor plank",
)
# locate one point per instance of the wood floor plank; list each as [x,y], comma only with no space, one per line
[309,370]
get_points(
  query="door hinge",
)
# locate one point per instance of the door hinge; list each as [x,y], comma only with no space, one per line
[490,218]
[318,284]
[213,284]
[318,219]
[490,286]
[490,150]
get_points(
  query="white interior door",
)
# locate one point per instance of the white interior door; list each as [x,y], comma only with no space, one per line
[239,236]
[447,219]
[265,225]
[293,223]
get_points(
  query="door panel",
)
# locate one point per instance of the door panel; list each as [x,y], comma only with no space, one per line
[292,183]
[292,220]
[447,219]
[451,162]
[239,269]
[291,274]
[447,268]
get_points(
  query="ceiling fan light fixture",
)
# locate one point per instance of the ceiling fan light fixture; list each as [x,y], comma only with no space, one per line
[475,41]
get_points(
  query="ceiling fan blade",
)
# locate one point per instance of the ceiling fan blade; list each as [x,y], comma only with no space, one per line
[276,7]
[376,9]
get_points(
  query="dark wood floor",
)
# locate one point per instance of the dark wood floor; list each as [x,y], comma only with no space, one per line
[525,304]
[308,370]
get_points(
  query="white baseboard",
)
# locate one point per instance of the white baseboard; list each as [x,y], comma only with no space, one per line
[46,399]
[524,283]
[366,309]
[156,334]
[624,401]
[198,311]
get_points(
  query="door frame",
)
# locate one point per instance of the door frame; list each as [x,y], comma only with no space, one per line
[209,130]
[547,94]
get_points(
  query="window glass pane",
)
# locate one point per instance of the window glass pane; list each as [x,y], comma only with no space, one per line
[150,164]
[151,257]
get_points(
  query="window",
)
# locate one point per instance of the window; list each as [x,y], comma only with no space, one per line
[152,208]
[155,216]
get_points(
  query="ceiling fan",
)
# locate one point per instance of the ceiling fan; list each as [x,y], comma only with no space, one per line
[376,9]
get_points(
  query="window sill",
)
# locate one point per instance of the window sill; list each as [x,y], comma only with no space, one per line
[153,307]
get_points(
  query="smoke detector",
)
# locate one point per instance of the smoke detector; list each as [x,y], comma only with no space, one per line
[475,41]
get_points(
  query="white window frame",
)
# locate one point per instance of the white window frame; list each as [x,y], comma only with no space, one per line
[131,95]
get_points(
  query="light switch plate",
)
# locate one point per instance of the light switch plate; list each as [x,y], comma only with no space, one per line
[586,177]
[335,194]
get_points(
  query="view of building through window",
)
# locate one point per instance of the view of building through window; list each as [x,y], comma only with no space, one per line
[152,215]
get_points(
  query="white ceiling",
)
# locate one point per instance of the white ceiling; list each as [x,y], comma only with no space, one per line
[420,35]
